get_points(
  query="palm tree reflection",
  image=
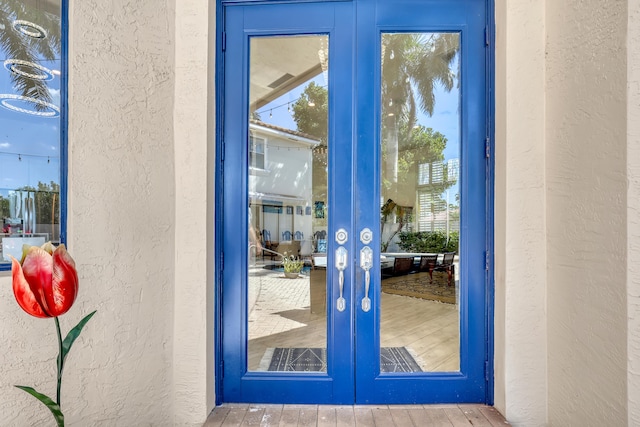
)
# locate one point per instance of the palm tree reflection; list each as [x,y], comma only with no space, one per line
[30,46]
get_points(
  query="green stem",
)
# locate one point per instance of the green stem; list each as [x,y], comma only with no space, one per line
[59,361]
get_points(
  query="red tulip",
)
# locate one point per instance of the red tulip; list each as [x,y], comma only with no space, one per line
[45,282]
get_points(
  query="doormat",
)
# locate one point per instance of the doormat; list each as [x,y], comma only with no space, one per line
[392,359]
[417,285]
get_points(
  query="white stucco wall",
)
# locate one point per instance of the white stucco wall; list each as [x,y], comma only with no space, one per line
[193,133]
[586,149]
[520,231]
[633,212]
[121,208]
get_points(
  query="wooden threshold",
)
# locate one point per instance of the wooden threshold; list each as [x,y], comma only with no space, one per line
[229,415]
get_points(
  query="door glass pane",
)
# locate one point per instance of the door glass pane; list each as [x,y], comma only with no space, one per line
[287,165]
[420,209]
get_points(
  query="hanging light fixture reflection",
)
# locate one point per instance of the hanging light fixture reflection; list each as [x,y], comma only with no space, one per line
[320,152]
[30,29]
[323,56]
[7,98]
[17,66]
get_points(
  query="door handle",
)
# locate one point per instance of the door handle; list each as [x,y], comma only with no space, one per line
[341,265]
[366,262]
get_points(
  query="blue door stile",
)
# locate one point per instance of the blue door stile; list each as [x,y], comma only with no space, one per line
[468,19]
[243,22]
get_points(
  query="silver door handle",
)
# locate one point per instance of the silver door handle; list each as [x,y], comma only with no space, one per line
[341,265]
[366,262]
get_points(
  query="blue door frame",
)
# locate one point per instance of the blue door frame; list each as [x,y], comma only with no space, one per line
[354,29]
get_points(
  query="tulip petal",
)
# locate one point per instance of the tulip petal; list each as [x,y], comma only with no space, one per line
[38,270]
[48,247]
[21,290]
[64,283]
[25,249]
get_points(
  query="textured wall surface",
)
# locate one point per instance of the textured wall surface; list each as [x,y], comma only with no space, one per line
[633,212]
[121,205]
[28,357]
[586,144]
[520,271]
[193,326]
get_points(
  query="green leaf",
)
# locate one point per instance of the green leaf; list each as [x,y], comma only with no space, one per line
[72,336]
[53,406]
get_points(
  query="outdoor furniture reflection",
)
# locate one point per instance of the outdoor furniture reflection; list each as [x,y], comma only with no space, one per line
[320,234]
[428,263]
[447,265]
[401,265]
[268,245]
[306,250]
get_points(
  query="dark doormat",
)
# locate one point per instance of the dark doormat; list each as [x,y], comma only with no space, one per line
[393,359]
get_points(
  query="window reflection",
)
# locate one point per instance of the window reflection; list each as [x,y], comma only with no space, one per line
[419,214]
[287,195]
[30,37]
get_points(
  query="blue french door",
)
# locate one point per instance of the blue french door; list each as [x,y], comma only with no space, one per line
[353,216]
